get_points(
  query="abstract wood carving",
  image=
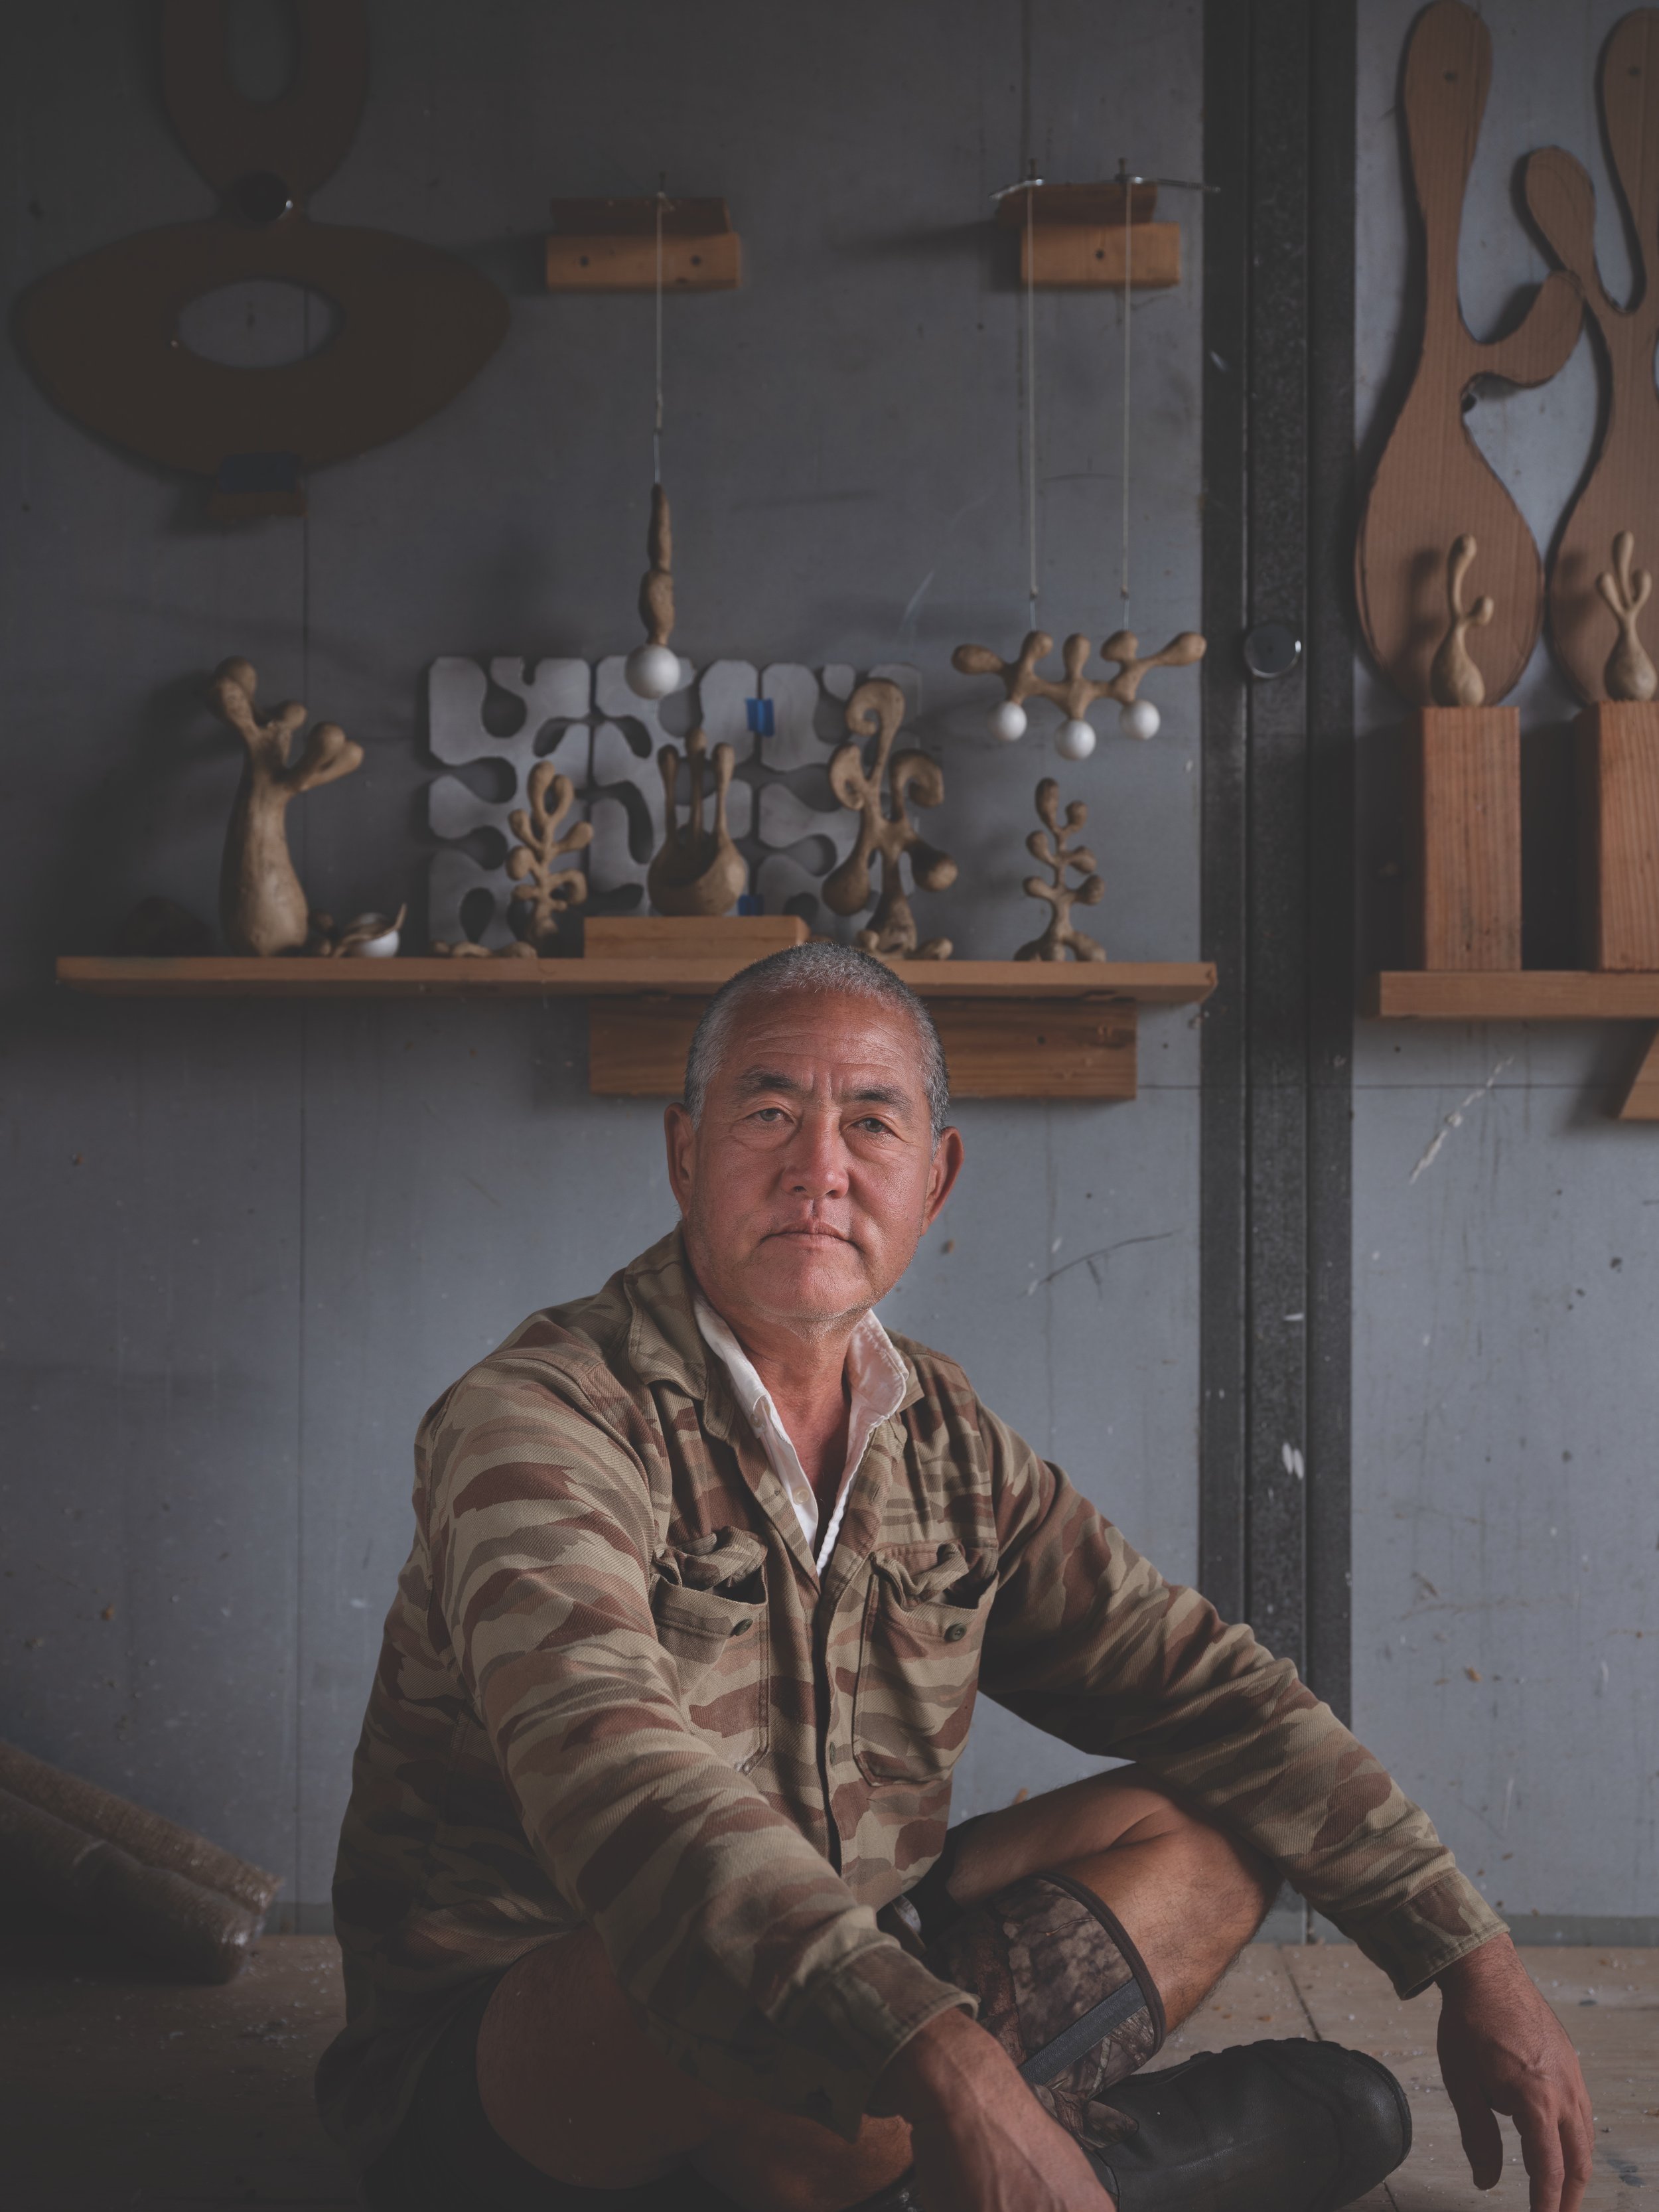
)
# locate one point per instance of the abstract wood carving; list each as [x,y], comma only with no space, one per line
[1625,592]
[1433,482]
[417,326]
[1053,847]
[652,669]
[548,890]
[1463,831]
[1077,692]
[1454,679]
[1621,490]
[1618,742]
[262,907]
[695,870]
[909,775]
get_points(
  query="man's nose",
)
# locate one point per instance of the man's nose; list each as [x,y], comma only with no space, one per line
[817,1163]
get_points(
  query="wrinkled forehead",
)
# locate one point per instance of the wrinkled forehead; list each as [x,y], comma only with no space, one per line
[830,1043]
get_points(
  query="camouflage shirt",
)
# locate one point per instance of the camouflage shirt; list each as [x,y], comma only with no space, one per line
[615,1690]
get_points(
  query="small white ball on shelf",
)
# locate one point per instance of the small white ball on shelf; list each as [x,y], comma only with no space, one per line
[1008,721]
[652,672]
[1139,719]
[1074,740]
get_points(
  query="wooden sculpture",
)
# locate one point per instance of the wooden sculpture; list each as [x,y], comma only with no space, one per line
[262,907]
[652,670]
[1057,854]
[548,890]
[879,705]
[1078,693]
[697,870]
[1454,679]
[416,324]
[1626,589]
[1622,487]
[1433,481]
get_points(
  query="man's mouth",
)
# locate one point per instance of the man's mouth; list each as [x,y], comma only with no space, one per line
[813,1233]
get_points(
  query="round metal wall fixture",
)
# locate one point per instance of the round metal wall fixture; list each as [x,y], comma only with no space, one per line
[1272,648]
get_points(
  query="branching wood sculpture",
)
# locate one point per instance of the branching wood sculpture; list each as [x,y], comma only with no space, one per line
[547,889]
[879,705]
[1077,692]
[652,670]
[697,870]
[1454,679]
[1057,854]
[262,907]
[1626,588]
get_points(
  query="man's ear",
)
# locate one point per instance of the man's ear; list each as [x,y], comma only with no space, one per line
[942,1175]
[681,1140]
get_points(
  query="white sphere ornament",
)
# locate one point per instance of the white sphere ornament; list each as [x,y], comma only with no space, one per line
[1139,719]
[1075,740]
[652,672]
[1008,721]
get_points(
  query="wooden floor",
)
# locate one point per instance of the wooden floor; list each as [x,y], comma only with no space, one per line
[117,2090]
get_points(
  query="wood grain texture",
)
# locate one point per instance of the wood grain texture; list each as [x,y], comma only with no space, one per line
[1618,763]
[1463,837]
[1075,257]
[672,937]
[1621,490]
[1433,484]
[1641,1100]
[636,1048]
[694,975]
[1531,995]
[598,263]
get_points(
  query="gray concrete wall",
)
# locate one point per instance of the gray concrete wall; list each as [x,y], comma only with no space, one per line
[1507,1370]
[246,1245]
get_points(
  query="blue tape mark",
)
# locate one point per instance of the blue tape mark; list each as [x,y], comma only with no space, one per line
[762,722]
[750,901]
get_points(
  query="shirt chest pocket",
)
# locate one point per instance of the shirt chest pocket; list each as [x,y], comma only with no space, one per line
[924,1623]
[708,1600]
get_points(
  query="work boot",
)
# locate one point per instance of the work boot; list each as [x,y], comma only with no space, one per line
[1267,2127]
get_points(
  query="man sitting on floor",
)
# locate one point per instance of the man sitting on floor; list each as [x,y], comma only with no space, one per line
[644,1889]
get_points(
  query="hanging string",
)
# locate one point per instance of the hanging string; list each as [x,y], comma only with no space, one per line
[1030,393]
[656,433]
[1128,235]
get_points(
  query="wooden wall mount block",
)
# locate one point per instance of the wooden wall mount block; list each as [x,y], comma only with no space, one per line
[689,936]
[611,245]
[1068,1048]
[1618,742]
[1079,256]
[1463,837]
[1641,1101]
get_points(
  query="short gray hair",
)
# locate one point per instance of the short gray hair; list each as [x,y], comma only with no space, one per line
[832,970]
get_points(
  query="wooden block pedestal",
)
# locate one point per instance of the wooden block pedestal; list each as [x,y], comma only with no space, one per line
[1463,837]
[1619,833]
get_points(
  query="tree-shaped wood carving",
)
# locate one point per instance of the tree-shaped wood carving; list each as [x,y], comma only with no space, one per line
[1079,692]
[548,890]
[880,706]
[1053,847]
[1433,482]
[262,907]
[697,870]
[1621,491]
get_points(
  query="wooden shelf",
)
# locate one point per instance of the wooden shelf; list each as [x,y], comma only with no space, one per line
[1519,995]
[1012,1029]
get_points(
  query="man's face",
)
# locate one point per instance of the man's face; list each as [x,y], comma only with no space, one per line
[812,1174]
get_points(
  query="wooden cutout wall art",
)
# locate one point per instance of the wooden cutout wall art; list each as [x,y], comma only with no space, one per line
[909,775]
[1433,481]
[1621,491]
[416,324]
[262,907]
[546,889]
[1057,854]
[1079,692]
[697,870]
[1453,679]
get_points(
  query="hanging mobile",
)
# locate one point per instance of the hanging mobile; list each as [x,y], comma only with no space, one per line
[652,670]
[1077,693]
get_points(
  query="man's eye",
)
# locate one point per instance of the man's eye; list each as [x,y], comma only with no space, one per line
[769,1114]
[874,1123]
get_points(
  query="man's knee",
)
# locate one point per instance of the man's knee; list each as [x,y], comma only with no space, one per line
[1236,1878]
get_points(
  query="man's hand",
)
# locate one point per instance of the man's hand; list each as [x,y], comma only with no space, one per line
[980,2141]
[1502,2050]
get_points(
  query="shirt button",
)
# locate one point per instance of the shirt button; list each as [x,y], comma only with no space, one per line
[955,1632]
[741,1627]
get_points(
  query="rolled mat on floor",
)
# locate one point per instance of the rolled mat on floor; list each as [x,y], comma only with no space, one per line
[189,1905]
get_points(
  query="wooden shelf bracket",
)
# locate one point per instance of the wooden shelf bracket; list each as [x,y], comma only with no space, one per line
[611,245]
